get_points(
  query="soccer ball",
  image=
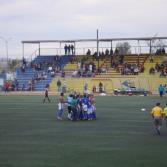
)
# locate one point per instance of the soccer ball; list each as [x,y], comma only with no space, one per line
[143,109]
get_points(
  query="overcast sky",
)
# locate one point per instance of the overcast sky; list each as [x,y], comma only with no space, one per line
[76,19]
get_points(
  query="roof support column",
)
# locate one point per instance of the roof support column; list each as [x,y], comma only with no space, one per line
[60,49]
[74,48]
[98,48]
[39,49]
[138,52]
[111,54]
[23,49]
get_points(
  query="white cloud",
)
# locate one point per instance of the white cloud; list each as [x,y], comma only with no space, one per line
[73,19]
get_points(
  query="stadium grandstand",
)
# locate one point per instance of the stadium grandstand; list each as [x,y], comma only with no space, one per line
[139,62]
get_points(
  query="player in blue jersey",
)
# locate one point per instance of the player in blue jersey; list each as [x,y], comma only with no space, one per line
[92,99]
[80,109]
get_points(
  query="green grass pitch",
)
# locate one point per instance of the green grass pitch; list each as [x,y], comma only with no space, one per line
[122,136]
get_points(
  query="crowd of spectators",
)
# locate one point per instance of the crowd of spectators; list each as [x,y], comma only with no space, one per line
[11,85]
[69,49]
[160,51]
[85,69]
[131,69]
[160,68]
[42,70]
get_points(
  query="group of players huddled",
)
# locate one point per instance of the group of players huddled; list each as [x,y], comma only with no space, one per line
[80,107]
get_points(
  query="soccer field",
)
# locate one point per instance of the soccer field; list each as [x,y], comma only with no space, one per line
[122,136]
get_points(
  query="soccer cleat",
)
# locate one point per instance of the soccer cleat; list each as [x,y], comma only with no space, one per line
[59,118]
[158,132]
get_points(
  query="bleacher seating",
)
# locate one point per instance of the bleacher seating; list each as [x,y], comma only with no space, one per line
[111,78]
[2,75]
[25,77]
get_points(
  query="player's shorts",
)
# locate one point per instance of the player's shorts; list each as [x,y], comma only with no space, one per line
[157,121]
[161,93]
[85,107]
[166,118]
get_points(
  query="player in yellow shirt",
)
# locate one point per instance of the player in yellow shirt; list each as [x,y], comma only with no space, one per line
[157,114]
[165,113]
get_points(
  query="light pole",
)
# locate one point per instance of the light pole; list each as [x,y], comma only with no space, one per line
[6,46]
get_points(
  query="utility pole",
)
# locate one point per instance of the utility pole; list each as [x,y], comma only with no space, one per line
[98,47]
[6,47]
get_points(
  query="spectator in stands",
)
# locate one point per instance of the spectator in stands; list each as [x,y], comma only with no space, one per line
[23,87]
[121,59]
[116,51]
[90,67]
[164,62]
[86,88]
[72,49]
[44,75]
[111,52]
[52,74]
[24,62]
[16,84]
[160,51]
[23,68]
[100,87]
[88,52]
[163,72]
[30,85]
[63,74]
[69,49]
[79,65]
[65,49]
[107,52]
[152,70]
[50,69]
[94,89]
[157,67]
[75,74]
[141,68]
[151,58]
[102,55]
[115,63]
[163,50]
[59,85]
[136,70]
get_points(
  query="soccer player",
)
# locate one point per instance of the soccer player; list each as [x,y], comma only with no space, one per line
[157,114]
[161,90]
[80,109]
[89,112]
[60,106]
[46,94]
[165,113]
[74,108]
[69,100]
[92,99]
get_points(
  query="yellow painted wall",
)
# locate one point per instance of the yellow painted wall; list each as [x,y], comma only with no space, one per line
[77,84]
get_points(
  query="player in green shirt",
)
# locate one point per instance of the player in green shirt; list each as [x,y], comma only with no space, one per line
[74,108]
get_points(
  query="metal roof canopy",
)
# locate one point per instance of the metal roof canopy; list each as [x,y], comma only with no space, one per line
[93,40]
